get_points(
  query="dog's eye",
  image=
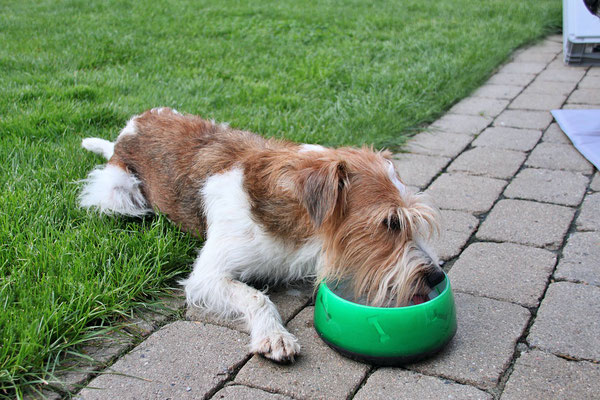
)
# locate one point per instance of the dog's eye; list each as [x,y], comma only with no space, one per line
[392,223]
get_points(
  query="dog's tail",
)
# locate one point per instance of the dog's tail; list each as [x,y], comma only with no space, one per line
[99,146]
[111,188]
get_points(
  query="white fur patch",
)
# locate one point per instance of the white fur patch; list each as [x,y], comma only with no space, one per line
[112,190]
[130,128]
[311,147]
[394,178]
[99,146]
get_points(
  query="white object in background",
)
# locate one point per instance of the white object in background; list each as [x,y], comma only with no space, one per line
[581,34]
[583,128]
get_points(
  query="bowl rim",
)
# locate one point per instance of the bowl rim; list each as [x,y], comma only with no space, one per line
[323,286]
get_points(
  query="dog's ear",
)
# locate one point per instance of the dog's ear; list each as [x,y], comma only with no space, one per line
[322,189]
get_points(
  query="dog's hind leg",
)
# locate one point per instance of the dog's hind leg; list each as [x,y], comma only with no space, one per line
[210,287]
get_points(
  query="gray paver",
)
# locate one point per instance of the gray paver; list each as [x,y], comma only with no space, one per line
[538,375]
[484,343]
[579,107]
[555,135]
[418,169]
[41,395]
[590,82]
[491,91]
[319,372]
[558,156]
[580,260]
[537,101]
[503,271]
[526,222]
[389,383]
[101,353]
[534,56]
[585,96]
[524,119]
[546,87]
[288,299]
[589,218]
[146,321]
[568,321]
[559,187]
[465,124]
[508,138]
[523,67]
[479,106]
[456,191]
[239,392]
[573,74]
[595,185]
[488,161]
[511,79]
[457,227]
[183,360]
[438,143]
[593,72]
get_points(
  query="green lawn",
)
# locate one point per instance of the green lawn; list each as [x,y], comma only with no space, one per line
[329,72]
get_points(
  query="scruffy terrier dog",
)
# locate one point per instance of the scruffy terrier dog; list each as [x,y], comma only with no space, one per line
[269,210]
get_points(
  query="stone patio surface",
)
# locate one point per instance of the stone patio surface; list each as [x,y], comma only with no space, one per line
[520,241]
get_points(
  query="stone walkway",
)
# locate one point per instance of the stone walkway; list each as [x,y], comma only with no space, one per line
[521,242]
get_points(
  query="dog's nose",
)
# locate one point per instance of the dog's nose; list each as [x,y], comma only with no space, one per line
[435,277]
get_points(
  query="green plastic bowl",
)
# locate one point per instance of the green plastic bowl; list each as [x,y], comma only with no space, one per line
[386,335]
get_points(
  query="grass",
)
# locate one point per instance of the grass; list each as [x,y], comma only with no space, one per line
[329,72]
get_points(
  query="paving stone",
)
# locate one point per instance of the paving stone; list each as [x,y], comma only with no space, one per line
[579,262]
[41,395]
[101,352]
[511,79]
[559,187]
[585,96]
[524,119]
[534,57]
[568,321]
[551,46]
[589,218]
[579,107]
[593,72]
[538,375]
[559,64]
[491,91]
[489,161]
[590,82]
[288,299]
[319,372]
[526,222]
[388,383]
[523,67]
[457,227]
[147,320]
[239,392]
[503,271]
[562,75]
[464,124]
[546,87]
[537,101]
[183,360]
[555,135]
[508,138]
[479,106]
[456,191]
[438,143]
[484,344]
[558,156]
[595,185]
[417,169]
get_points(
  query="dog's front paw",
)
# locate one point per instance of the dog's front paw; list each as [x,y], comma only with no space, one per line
[278,346]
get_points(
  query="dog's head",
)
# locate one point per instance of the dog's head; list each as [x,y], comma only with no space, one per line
[375,231]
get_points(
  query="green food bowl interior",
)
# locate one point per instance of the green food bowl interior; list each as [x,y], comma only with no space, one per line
[385,335]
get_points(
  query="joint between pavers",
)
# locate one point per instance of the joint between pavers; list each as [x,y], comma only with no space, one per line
[363,382]
[565,357]
[234,371]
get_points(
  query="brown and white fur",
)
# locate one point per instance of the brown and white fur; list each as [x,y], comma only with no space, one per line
[269,210]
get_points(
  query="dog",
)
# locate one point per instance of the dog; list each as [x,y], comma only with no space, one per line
[271,211]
